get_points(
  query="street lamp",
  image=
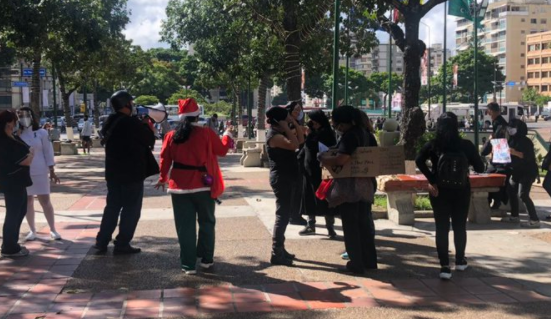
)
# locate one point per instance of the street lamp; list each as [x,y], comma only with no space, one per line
[336,54]
[478,10]
[429,62]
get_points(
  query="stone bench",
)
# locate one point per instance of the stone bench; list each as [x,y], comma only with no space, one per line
[400,188]
[252,154]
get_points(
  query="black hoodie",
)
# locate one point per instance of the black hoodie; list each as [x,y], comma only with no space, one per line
[524,168]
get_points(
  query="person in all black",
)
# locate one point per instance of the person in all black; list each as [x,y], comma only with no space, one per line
[449,202]
[524,173]
[15,160]
[353,203]
[320,132]
[295,110]
[281,145]
[499,130]
[127,142]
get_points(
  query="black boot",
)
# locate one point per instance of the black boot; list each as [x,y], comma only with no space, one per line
[278,257]
[288,255]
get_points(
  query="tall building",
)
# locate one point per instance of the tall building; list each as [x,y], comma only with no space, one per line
[377,60]
[437,57]
[503,35]
[538,62]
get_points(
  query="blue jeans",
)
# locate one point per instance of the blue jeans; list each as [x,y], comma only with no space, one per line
[124,200]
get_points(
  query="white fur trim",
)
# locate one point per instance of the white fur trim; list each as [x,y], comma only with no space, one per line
[183,115]
[187,191]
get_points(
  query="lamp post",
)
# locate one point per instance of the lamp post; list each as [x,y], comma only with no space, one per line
[429,62]
[336,54]
[478,10]
[445,62]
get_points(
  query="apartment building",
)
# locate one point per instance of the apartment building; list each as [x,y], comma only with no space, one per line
[437,57]
[377,60]
[538,62]
[505,27]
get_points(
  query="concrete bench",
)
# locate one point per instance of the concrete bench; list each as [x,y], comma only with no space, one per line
[400,188]
[252,154]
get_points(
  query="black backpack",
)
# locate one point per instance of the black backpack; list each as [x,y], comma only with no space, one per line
[452,170]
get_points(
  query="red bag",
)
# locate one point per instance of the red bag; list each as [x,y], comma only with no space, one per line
[324,189]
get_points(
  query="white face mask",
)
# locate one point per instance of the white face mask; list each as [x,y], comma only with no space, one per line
[25,122]
[300,116]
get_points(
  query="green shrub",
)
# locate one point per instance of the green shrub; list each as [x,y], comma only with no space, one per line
[422,203]
[380,201]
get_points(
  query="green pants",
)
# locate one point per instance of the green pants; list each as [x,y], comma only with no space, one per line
[189,208]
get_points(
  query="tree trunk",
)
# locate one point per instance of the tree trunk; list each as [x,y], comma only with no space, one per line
[413,120]
[239,107]
[35,82]
[292,56]
[95,105]
[234,104]
[262,88]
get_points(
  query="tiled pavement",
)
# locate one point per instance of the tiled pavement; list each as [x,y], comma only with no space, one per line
[33,287]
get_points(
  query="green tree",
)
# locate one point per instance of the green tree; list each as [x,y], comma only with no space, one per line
[380,82]
[532,95]
[221,108]
[465,79]
[184,94]
[146,100]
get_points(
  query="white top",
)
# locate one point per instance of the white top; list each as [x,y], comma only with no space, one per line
[43,150]
[87,129]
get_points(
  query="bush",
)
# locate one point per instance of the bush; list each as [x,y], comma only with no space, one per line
[146,100]
[221,108]
[184,94]
[422,203]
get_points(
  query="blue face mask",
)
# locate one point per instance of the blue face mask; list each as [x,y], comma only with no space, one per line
[300,115]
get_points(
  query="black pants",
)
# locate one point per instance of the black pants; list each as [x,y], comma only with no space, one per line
[284,205]
[359,235]
[501,196]
[521,188]
[124,200]
[16,209]
[454,205]
[329,221]
[547,183]
[297,197]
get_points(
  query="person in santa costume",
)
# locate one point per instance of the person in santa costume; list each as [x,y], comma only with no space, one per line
[195,182]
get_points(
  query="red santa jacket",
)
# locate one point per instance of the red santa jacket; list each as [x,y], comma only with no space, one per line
[194,152]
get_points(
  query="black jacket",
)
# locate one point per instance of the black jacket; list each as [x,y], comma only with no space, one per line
[499,128]
[126,149]
[13,177]
[526,168]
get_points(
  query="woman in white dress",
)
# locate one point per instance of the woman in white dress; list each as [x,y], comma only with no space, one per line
[42,166]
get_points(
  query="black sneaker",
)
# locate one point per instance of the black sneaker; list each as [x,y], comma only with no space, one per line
[462,265]
[298,221]
[100,248]
[350,271]
[308,230]
[332,234]
[278,258]
[125,250]
[445,273]
[288,255]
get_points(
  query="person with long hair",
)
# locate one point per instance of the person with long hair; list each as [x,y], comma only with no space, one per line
[42,171]
[190,153]
[448,201]
[281,145]
[352,197]
[15,159]
[320,132]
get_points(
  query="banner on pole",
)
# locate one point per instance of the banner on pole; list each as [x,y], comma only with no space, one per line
[455,76]
[26,97]
[460,8]
[45,102]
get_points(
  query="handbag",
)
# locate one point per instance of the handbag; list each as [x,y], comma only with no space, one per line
[350,190]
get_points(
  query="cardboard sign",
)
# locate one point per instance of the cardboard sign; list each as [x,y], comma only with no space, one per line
[500,150]
[369,162]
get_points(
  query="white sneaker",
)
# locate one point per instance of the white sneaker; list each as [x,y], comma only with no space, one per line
[55,235]
[445,273]
[511,219]
[30,236]
[206,265]
[189,272]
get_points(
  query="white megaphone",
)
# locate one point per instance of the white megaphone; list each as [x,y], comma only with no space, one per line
[157,112]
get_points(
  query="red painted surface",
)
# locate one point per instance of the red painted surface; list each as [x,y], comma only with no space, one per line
[419,182]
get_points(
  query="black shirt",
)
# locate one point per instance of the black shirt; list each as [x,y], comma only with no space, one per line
[429,151]
[499,129]
[282,162]
[13,177]
[126,149]
[352,139]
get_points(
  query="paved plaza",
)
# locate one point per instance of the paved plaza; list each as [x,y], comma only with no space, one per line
[508,277]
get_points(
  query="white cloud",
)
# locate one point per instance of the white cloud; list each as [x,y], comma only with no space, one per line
[145,22]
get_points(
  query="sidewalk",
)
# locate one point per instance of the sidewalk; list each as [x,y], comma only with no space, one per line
[509,277]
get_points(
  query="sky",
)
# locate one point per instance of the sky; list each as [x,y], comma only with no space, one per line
[146,17]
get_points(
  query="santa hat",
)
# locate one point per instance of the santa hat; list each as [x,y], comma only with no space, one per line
[188,107]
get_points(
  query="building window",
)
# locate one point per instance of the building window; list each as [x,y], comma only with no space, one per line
[545,46]
[522,43]
[544,88]
[545,60]
[522,31]
[544,74]
[536,75]
[543,21]
[522,55]
[522,78]
[522,20]
[537,61]
[530,61]
[530,75]
[522,66]
[534,21]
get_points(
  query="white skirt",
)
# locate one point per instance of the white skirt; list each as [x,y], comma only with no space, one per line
[40,186]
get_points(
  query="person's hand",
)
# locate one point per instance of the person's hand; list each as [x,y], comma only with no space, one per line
[292,120]
[160,185]
[53,178]
[433,190]
[283,124]
[516,153]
